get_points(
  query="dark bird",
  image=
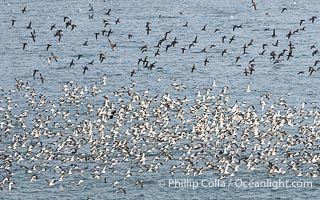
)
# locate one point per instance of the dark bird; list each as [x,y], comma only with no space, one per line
[186,24]
[231,39]
[206,61]
[167,47]
[289,54]
[264,46]
[193,68]
[254,5]
[52,27]
[48,46]
[73,26]
[159,43]
[315,52]
[312,19]
[72,63]
[301,72]
[274,33]
[101,57]
[311,70]
[132,73]
[24,9]
[112,45]
[85,43]
[223,38]
[223,52]
[276,44]
[246,72]
[42,78]
[96,34]
[109,33]
[65,18]
[91,8]
[145,61]
[152,65]
[238,58]
[195,39]
[245,49]
[108,13]
[183,49]
[289,34]
[54,57]
[33,36]
[157,53]
[301,21]
[24,45]
[316,62]
[291,46]
[166,34]
[130,36]
[216,30]
[58,34]
[236,26]
[174,42]
[283,9]
[91,63]
[29,26]
[34,73]
[148,29]
[85,68]
[68,23]
[143,48]
[262,52]
[79,56]
[251,61]
[12,22]
[204,28]
[251,68]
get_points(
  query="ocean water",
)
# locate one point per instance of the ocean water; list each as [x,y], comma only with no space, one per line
[172,67]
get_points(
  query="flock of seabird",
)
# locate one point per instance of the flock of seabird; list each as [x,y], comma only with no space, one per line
[151,53]
[88,134]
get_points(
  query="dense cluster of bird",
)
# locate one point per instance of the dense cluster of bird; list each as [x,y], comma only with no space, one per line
[87,135]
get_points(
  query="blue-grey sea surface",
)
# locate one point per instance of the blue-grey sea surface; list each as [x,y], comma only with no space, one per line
[279,79]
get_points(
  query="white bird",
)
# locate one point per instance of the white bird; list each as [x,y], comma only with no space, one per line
[81,181]
[248,88]
[214,83]
[10,185]
[104,79]
[51,182]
